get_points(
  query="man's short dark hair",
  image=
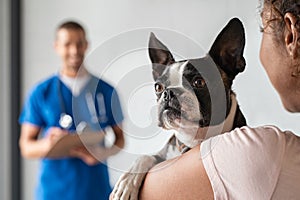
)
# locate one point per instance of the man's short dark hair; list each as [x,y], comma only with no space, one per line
[71,25]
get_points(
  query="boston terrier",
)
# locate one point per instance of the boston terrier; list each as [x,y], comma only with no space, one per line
[194,99]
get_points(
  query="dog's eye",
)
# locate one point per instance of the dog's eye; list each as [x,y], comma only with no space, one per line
[198,82]
[159,87]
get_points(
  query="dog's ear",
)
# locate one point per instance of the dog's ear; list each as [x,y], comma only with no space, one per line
[227,50]
[160,56]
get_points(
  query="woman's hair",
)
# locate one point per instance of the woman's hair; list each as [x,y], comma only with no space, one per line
[277,9]
[275,20]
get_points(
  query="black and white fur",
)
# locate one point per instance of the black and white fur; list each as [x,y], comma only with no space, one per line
[189,97]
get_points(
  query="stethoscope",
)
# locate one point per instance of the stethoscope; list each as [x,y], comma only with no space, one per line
[66,120]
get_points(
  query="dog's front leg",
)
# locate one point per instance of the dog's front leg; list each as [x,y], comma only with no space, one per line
[128,185]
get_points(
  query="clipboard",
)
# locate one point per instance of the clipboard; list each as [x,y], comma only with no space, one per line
[66,143]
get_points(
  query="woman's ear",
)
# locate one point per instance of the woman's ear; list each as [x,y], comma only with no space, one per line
[291,35]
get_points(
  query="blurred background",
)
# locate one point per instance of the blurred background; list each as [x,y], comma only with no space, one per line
[118,34]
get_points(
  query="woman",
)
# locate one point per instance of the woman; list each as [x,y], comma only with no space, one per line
[246,163]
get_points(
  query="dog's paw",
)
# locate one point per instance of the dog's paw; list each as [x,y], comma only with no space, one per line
[128,185]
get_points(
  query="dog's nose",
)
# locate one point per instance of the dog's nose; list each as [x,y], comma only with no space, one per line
[168,94]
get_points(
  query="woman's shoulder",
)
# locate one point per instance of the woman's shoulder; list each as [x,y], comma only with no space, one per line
[247,139]
[254,135]
[268,136]
[247,156]
[183,177]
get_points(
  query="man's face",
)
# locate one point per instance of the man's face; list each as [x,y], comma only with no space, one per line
[71,46]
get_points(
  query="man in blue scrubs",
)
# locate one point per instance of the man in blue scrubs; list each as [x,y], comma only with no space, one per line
[56,107]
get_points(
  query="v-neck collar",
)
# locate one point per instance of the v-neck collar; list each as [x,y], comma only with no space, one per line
[75,85]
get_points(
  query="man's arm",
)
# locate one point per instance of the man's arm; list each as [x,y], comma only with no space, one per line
[181,178]
[31,146]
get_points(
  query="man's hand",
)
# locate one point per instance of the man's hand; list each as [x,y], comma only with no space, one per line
[32,147]
[52,136]
[85,155]
[92,155]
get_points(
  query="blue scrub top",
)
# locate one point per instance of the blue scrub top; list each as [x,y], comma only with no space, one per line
[71,178]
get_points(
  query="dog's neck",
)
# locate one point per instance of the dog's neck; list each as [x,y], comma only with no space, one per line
[204,133]
[227,124]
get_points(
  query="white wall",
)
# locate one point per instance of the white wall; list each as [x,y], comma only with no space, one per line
[4,101]
[118,33]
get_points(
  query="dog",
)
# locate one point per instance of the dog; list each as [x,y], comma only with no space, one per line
[194,98]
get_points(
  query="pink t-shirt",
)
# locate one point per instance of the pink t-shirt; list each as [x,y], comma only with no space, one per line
[253,163]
